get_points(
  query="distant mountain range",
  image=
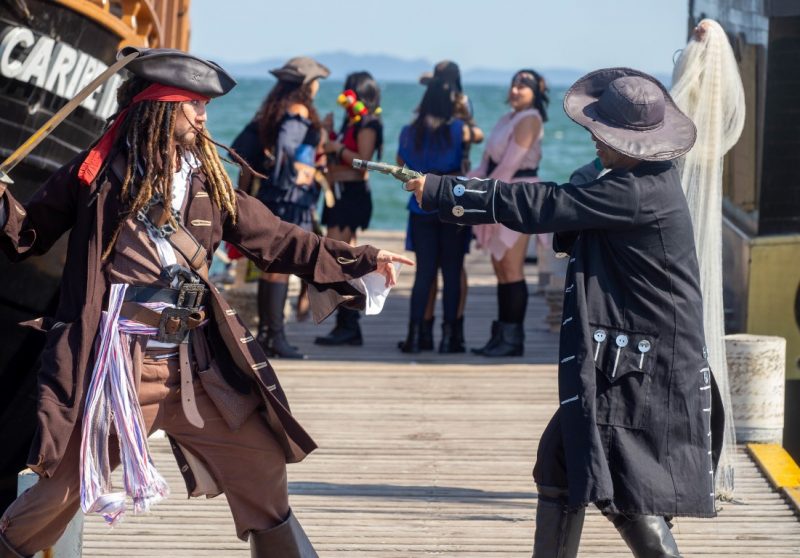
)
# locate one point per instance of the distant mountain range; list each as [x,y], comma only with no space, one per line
[390,68]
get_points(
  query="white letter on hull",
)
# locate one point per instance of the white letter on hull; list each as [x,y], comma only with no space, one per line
[63,62]
[18,36]
[34,69]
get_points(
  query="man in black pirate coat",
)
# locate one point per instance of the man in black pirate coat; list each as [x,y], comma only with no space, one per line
[639,424]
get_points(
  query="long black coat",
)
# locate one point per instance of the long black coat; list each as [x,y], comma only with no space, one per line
[635,388]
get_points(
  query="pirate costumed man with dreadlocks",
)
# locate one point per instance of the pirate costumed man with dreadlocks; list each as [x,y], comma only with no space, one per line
[147,206]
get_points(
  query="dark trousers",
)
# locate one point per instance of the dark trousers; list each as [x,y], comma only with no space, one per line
[437,245]
[551,466]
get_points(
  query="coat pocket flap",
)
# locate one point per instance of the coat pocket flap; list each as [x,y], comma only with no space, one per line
[233,406]
[623,352]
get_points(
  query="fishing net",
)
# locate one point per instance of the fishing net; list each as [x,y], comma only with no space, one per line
[708,88]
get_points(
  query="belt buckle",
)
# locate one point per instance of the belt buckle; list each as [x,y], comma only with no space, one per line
[166,331]
[190,295]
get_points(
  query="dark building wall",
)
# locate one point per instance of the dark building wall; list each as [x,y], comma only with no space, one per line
[780,176]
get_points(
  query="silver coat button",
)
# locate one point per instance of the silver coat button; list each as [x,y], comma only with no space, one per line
[705,351]
[622,340]
[458,191]
[706,377]
[644,346]
[458,211]
[599,335]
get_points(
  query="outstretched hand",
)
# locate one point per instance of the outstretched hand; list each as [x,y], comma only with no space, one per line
[385,267]
[415,186]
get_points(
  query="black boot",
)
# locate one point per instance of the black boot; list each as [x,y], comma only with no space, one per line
[493,340]
[345,332]
[426,335]
[287,540]
[452,341]
[648,536]
[458,333]
[558,529]
[412,342]
[511,341]
[272,299]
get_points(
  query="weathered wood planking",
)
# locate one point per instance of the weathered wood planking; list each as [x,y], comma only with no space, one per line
[428,455]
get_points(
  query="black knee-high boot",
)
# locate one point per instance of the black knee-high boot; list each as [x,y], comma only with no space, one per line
[287,540]
[494,336]
[271,334]
[510,338]
[648,536]
[345,332]
[558,529]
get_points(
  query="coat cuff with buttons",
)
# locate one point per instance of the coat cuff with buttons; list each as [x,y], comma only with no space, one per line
[457,199]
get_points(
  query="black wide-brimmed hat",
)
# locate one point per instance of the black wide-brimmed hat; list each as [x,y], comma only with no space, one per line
[176,68]
[632,113]
[301,69]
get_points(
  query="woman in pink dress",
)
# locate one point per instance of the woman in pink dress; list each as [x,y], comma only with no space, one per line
[512,154]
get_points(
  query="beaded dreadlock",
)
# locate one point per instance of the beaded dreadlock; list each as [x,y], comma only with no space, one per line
[147,135]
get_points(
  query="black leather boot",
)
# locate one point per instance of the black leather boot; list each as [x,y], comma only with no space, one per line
[648,536]
[511,341]
[278,346]
[426,335]
[458,333]
[558,529]
[451,341]
[273,337]
[287,540]
[7,551]
[412,342]
[493,340]
[345,332]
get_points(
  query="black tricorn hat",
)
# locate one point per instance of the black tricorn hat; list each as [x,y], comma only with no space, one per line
[632,113]
[176,68]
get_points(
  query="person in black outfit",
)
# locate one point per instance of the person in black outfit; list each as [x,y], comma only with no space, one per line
[435,140]
[282,142]
[449,72]
[638,431]
[360,137]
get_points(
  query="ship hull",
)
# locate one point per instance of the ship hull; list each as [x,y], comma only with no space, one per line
[32,48]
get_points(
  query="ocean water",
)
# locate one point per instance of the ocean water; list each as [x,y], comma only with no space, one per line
[566,145]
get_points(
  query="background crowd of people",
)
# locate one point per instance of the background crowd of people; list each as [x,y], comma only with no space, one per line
[300,157]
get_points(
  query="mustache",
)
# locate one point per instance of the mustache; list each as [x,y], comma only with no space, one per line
[235,158]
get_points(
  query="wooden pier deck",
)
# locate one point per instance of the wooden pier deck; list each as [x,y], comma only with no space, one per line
[428,456]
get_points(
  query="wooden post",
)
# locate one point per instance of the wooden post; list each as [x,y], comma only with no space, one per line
[70,545]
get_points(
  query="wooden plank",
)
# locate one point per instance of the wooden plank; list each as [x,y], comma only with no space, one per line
[428,455]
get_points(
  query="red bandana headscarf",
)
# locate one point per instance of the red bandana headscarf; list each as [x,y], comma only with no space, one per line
[155,92]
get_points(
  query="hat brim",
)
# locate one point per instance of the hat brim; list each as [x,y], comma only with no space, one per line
[672,138]
[179,69]
[293,75]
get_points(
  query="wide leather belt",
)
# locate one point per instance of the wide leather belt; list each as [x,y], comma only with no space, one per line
[189,295]
[174,325]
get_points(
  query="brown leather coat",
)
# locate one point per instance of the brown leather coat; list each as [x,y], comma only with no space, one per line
[91,214]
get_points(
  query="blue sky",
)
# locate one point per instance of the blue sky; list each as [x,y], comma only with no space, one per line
[581,34]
